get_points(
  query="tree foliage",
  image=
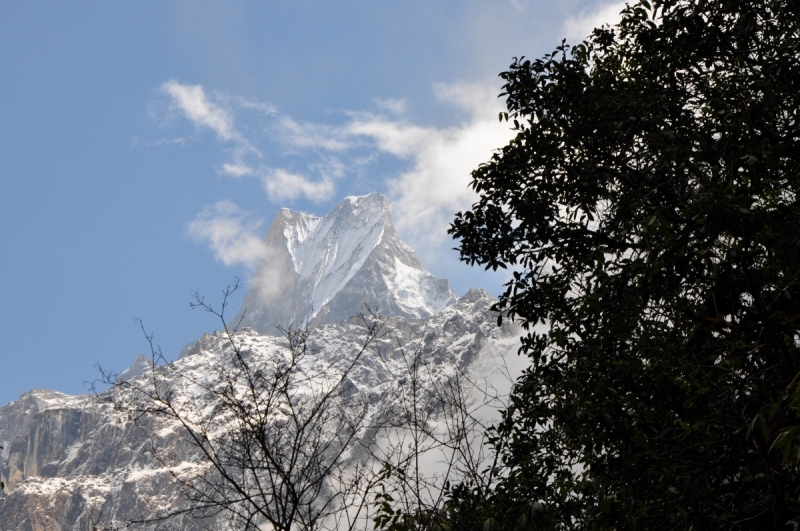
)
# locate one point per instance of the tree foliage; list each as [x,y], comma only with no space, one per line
[647,209]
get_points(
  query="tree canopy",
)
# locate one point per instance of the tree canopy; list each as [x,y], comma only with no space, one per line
[647,210]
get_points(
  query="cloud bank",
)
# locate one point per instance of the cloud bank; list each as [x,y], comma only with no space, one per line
[579,27]
[233,235]
[430,186]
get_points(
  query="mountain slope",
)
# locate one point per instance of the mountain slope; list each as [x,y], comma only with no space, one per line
[74,460]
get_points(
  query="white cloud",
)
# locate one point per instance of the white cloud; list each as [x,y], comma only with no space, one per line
[310,135]
[396,107]
[282,185]
[192,101]
[180,141]
[580,26]
[475,98]
[435,185]
[270,280]
[236,169]
[424,195]
[264,108]
[232,234]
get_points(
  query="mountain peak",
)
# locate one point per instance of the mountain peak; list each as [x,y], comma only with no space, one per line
[325,269]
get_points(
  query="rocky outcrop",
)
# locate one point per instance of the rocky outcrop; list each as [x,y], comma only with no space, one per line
[75,460]
[79,463]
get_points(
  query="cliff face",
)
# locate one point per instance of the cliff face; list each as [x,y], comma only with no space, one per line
[72,461]
[20,417]
[38,453]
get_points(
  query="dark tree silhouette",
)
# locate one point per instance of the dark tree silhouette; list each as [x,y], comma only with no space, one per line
[648,211]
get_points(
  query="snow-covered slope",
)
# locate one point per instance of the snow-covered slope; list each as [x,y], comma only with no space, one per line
[73,460]
[326,269]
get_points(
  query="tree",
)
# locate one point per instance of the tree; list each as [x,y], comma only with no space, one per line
[434,437]
[275,435]
[283,436]
[647,209]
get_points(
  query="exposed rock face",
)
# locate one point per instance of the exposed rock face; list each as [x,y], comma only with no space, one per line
[325,269]
[73,462]
[16,418]
[62,463]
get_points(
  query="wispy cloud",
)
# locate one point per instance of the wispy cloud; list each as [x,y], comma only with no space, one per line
[430,187]
[394,106]
[306,135]
[216,114]
[264,108]
[232,234]
[236,169]
[435,184]
[282,185]
[192,101]
[205,112]
[580,26]
[179,141]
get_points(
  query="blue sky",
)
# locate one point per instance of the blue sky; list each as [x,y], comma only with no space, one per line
[144,147]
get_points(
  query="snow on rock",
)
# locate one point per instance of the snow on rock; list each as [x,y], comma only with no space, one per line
[326,269]
[140,365]
[74,459]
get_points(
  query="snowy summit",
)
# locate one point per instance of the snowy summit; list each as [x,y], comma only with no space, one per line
[325,269]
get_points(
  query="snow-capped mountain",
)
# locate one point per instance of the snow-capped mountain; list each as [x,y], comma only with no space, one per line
[74,462]
[326,269]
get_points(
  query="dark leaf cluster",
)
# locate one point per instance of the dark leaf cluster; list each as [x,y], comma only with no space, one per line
[647,210]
